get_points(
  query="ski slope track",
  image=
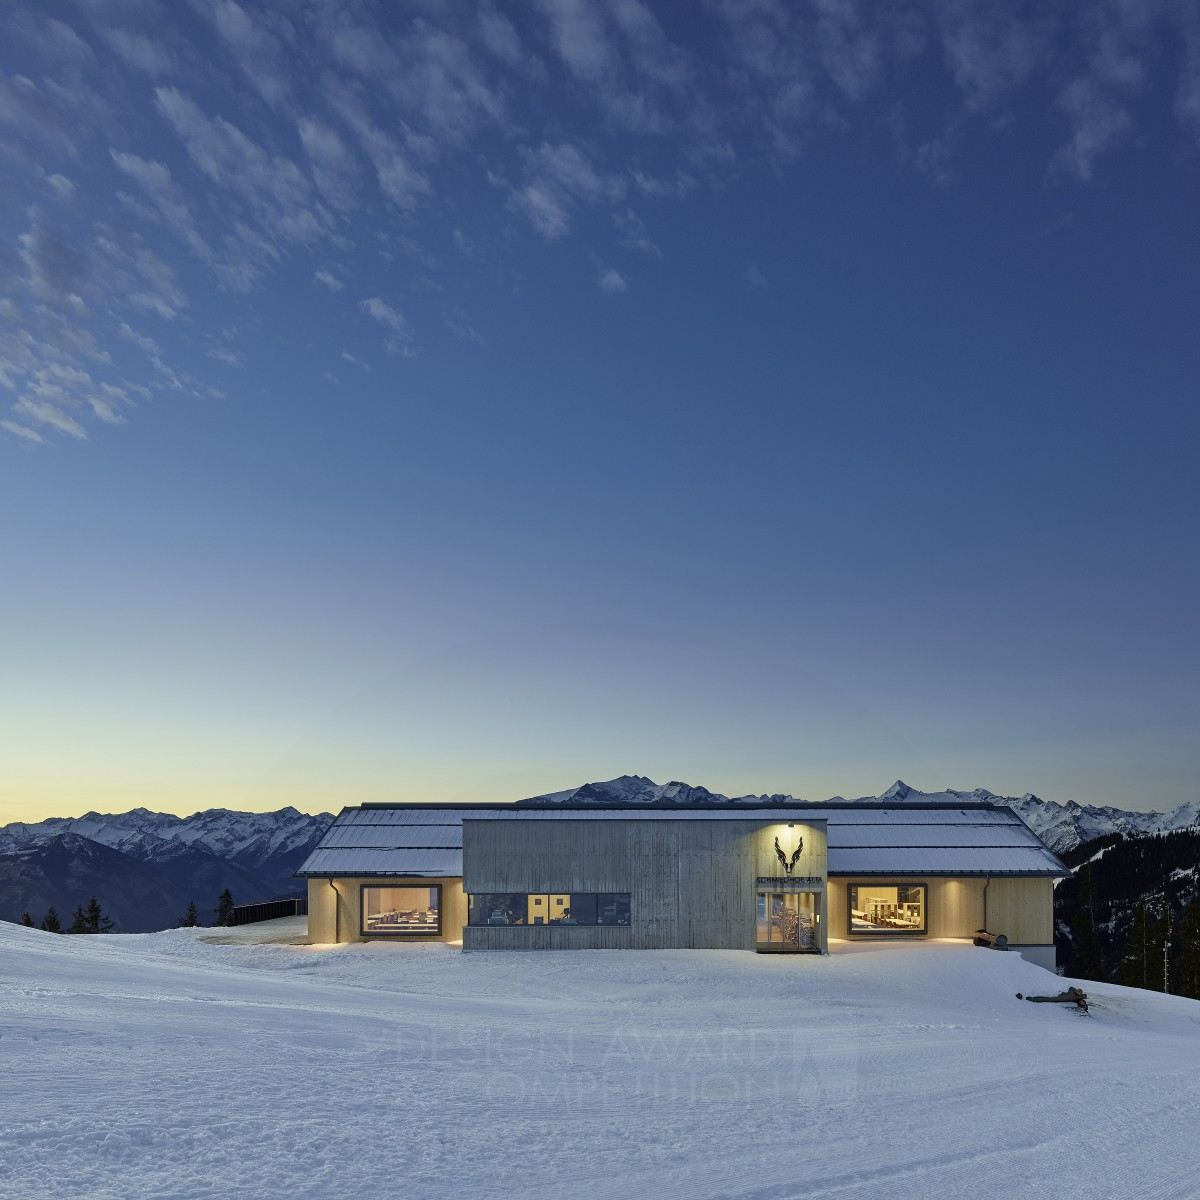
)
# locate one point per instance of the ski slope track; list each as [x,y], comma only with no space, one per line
[161,1066]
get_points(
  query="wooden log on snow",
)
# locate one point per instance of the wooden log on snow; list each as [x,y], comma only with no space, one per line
[1073,995]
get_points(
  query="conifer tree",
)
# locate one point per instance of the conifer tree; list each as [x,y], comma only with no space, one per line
[191,918]
[96,920]
[225,908]
[78,921]
[1189,959]
[50,922]
[1142,965]
[27,920]
[1158,933]
[1086,962]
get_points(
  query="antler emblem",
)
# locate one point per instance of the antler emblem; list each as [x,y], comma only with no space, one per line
[788,867]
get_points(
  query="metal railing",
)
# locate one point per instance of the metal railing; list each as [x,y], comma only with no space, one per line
[268,910]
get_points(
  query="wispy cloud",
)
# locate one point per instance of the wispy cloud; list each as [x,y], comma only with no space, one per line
[558,177]
[632,232]
[334,168]
[139,51]
[256,50]
[277,191]
[400,180]
[23,431]
[146,344]
[611,282]
[47,413]
[154,178]
[399,339]
[754,277]
[1098,124]
[318,141]
[61,186]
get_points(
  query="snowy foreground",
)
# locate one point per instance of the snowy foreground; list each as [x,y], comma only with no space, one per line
[162,1066]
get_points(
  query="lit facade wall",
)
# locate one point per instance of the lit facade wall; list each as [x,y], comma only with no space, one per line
[692,883]
[1022,909]
[334,907]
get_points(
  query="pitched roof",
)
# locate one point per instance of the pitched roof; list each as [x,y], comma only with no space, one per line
[864,839]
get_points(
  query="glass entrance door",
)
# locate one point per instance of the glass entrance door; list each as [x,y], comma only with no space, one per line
[787,922]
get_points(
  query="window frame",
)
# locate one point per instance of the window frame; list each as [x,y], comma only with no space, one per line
[888,933]
[414,884]
[528,923]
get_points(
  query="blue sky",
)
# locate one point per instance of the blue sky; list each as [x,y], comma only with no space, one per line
[447,401]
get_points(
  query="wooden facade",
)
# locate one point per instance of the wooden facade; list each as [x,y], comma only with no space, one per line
[685,878]
[1020,908]
[692,883]
[335,912]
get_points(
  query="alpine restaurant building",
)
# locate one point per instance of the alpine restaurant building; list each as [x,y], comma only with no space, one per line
[781,878]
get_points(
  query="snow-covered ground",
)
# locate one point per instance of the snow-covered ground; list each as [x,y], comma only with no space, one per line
[159,1065]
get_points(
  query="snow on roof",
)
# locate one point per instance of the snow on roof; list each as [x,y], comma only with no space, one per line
[936,839]
[371,860]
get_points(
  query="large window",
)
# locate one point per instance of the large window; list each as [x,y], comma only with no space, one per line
[886,910]
[548,908]
[402,911]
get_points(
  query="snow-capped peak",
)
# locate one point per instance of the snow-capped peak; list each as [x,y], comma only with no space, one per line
[1061,826]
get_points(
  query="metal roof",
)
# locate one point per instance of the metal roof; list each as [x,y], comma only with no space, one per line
[909,834]
[366,860]
[392,837]
[910,839]
[944,860]
[634,812]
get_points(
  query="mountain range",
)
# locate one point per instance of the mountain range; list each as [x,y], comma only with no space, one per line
[145,866]
[1061,826]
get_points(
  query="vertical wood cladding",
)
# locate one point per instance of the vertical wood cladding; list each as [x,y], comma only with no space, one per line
[1022,909]
[691,882]
[326,925]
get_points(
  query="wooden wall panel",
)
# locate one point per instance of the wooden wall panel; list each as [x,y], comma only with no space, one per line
[691,883]
[321,914]
[1022,909]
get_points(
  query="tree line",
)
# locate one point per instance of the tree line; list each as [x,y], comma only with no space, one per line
[93,919]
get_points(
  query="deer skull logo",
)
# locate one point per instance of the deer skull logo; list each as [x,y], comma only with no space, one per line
[788,867]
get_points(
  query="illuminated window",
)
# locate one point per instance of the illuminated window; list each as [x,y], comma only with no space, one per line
[402,911]
[548,908]
[887,910]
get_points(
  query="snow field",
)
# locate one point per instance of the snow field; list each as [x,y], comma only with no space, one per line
[162,1066]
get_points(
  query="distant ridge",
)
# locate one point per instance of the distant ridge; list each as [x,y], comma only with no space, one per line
[1061,826]
[145,866]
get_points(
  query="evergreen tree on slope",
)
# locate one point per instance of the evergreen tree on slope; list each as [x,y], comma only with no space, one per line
[1189,959]
[97,921]
[1086,962]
